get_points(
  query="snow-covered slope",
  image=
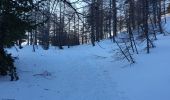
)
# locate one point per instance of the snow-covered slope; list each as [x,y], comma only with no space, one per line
[89,73]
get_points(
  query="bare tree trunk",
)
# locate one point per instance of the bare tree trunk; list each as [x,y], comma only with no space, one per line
[114,19]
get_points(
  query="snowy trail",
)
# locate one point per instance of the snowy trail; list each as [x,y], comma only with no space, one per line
[89,73]
[74,75]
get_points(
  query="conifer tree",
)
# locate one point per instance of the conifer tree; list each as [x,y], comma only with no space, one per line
[14,22]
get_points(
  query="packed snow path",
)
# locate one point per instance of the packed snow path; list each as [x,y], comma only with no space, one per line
[89,73]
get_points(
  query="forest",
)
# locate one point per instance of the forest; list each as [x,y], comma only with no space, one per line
[68,23]
[84,49]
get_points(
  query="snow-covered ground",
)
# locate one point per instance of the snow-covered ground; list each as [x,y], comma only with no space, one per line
[89,73]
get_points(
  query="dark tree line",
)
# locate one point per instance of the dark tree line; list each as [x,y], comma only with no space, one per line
[94,20]
[67,23]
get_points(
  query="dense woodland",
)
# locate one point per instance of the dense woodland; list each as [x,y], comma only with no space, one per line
[74,22]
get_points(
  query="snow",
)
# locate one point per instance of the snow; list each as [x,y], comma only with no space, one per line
[89,73]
